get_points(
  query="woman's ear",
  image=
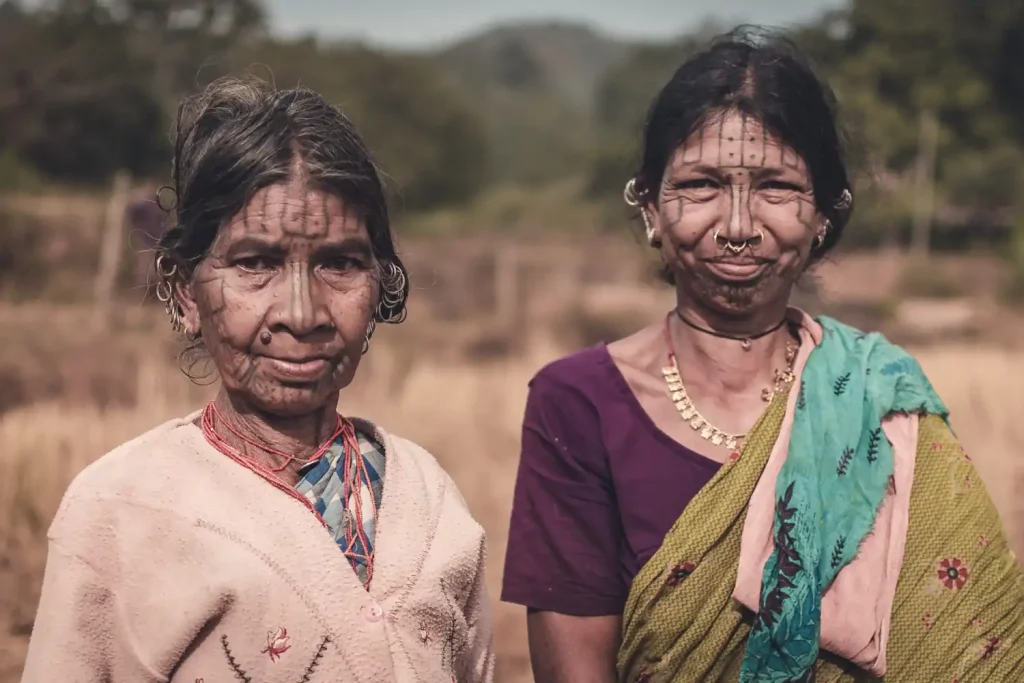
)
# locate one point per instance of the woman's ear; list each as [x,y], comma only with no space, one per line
[652,224]
[185,298]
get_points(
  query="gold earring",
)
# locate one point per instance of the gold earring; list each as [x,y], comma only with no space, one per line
[651,238]
[819,238]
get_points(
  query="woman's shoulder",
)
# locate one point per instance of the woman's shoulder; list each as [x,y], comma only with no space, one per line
[120,476]
[135,459]
[579,372]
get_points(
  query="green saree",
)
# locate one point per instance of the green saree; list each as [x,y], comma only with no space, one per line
[958,614]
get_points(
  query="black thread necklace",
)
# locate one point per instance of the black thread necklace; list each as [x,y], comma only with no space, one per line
[745,342]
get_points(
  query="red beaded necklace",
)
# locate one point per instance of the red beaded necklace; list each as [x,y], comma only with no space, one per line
[354,474]
[211,418]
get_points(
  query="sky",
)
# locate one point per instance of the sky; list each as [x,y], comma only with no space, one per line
[414,24]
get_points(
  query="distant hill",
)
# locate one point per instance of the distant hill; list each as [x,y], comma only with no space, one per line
[557,58]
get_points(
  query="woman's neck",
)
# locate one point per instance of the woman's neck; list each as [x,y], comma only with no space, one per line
[733,355]
[299,436]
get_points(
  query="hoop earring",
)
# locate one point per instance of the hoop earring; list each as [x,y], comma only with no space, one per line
[845,200]
[163,270]
[393,284]
[632,198]
[165,295]
[629,194]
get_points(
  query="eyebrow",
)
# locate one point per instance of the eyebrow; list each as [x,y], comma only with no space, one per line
[351,244]
[360,245]
[719,172]
[251,243]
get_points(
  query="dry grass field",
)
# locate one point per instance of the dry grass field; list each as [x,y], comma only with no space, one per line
[68,395]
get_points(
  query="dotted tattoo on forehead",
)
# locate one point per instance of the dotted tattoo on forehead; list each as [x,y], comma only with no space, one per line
[762,78]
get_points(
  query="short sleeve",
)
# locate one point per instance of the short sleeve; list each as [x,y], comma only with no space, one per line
[565,536]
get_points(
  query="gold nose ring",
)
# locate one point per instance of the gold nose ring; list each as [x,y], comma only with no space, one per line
[737,246]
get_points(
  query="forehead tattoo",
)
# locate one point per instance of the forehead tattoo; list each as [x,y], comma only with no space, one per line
[737,142]
[294,211]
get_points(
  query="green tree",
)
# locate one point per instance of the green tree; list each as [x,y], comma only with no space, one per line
[73,102]
[425,132]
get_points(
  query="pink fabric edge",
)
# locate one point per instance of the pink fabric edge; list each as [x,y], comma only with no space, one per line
[857,607]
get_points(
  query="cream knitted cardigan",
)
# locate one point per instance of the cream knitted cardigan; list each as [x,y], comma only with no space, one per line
[169,562]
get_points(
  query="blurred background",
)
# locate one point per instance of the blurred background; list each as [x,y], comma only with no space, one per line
[507,131]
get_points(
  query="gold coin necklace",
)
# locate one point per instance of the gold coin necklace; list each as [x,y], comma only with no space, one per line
[688,411]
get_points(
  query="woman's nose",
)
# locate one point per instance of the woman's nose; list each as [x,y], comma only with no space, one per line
[741,223]
[300,307]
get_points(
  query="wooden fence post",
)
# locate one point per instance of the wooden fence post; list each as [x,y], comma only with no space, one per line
[110,250]
[507,294]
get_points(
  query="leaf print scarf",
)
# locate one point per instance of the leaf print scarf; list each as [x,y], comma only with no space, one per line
[832,483]
[959,607]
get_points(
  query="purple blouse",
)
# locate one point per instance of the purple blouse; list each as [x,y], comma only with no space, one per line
[599,486]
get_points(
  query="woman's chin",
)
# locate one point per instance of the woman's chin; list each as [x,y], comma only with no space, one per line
[293,400]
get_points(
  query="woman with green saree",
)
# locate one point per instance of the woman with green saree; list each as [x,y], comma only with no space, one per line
[739,491]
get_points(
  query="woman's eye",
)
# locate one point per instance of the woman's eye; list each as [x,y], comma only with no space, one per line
[696,184]
[254,264]
[779,192]
[781,185]
[342,263]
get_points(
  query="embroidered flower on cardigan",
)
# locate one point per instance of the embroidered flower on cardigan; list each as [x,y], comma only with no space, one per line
[277,643]
[953,573]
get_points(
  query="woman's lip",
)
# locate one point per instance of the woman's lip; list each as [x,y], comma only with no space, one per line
[307,370]
[737,272]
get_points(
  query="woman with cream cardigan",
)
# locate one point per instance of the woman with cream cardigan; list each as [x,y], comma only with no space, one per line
[265,537]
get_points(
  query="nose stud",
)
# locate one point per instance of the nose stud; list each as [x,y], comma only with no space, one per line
[265,337]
